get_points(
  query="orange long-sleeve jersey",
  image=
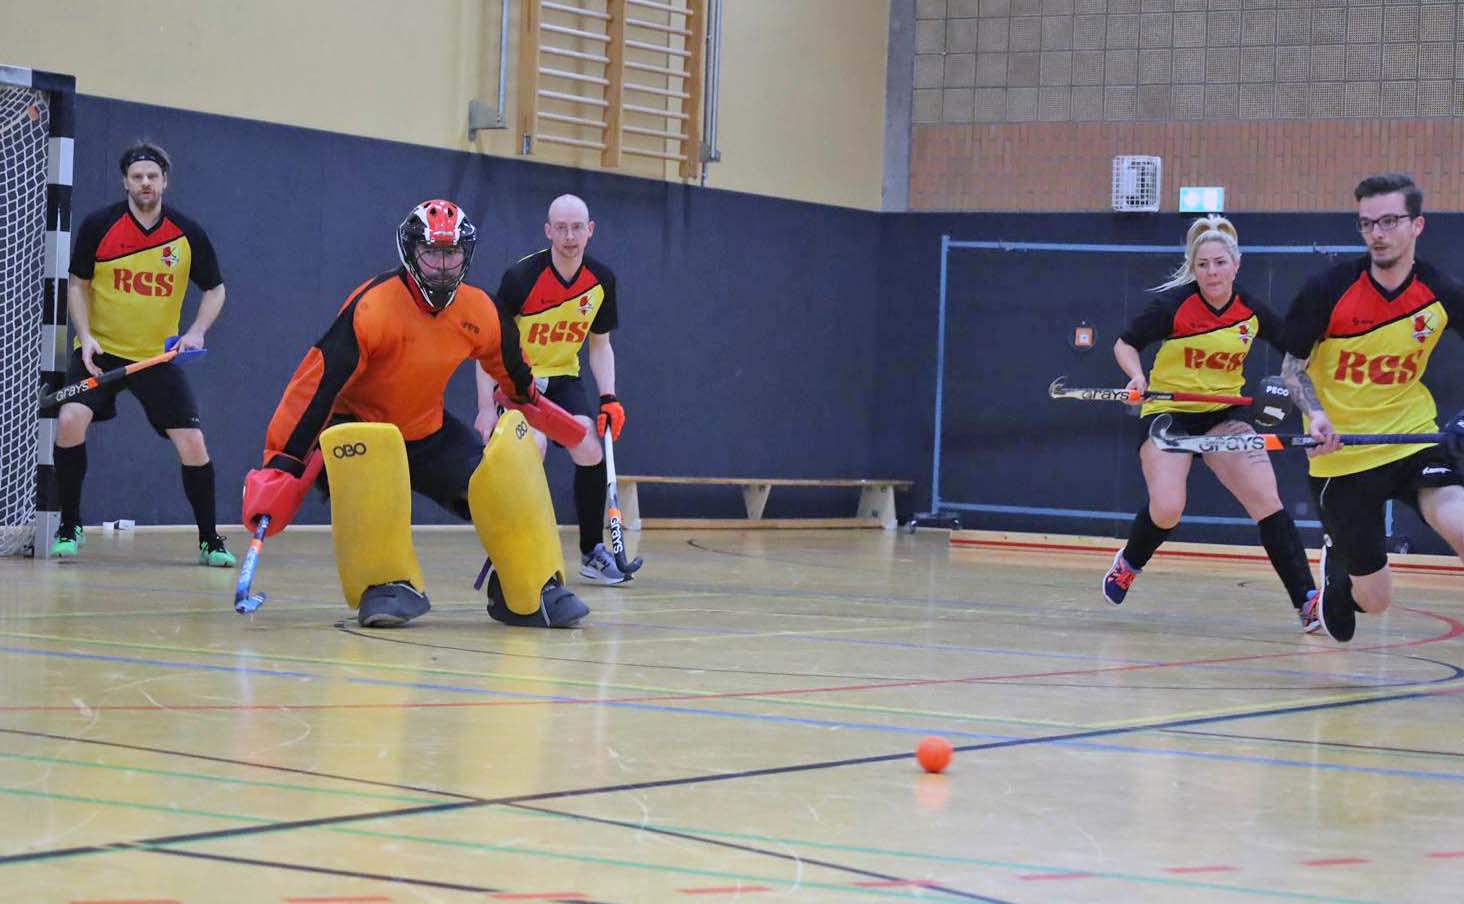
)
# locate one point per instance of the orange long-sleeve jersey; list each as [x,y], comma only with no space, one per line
[387,359]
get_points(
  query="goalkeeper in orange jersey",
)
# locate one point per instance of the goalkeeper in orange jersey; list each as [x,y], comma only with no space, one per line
[369,394]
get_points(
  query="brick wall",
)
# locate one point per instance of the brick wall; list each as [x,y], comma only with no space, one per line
[1284,102]
[1308,165]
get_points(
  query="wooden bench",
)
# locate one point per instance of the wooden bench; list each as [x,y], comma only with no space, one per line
[876,502]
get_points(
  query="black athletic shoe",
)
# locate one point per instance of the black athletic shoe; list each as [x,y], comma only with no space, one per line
[391,605]
[1334,601]
[558,607]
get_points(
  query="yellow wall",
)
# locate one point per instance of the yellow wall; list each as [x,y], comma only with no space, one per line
[802,107]
[802,99]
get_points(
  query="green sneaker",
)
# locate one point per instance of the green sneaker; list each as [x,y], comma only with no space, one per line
[69,539]
[212,553]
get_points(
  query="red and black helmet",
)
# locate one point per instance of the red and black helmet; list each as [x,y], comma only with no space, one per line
[427,241]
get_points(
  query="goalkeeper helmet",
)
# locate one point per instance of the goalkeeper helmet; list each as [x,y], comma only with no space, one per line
[436,243]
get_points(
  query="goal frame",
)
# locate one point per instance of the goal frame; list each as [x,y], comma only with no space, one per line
[51,361]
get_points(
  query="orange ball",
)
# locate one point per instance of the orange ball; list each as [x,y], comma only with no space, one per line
[934,753]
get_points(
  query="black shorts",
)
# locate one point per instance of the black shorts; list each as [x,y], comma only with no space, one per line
[161,389]
[441,464]
[1352,505]
[1192,423]
[570,394]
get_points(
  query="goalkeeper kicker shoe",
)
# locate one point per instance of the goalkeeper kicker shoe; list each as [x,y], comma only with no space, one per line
[391,605]
[558,607]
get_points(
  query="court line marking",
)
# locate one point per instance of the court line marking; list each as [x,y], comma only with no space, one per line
[445,807]
[1456,628]
[214,779]
[698,834]
[561,815]
[921,856]
[641,704]
[653,704]
[1041,871]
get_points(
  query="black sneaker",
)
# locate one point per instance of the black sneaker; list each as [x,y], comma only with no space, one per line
[1334,600]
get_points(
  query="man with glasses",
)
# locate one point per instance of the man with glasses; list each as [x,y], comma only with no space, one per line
[561,298]
[1358,339]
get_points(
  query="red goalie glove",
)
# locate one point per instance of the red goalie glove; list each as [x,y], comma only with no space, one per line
[545,417]
[277,493]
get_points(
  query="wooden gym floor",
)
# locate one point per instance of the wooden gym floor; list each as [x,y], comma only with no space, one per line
[736,725]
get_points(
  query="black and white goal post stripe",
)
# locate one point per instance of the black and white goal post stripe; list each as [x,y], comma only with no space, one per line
[37,119]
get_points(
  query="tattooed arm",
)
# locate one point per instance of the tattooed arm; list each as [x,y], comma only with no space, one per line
[1304,394]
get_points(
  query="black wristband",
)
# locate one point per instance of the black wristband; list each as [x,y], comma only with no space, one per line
[607,397]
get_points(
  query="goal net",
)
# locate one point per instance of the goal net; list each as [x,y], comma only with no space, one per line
[35,164]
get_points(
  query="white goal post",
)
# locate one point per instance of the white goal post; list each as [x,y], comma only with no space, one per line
[37,115]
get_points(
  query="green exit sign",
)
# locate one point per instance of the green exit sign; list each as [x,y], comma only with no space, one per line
[1201,199]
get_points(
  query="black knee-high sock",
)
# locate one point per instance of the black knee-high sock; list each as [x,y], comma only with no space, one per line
[70,472]
[1144,537]
[589,505]
[1288,555]
[198,486]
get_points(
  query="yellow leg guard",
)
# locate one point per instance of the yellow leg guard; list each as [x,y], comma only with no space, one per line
[370,507]
[514,515]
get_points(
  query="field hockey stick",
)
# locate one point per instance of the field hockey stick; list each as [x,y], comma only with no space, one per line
[1275,442]
[1267,408]
[71,391]
[244,601]
[612,497]
[1060,390]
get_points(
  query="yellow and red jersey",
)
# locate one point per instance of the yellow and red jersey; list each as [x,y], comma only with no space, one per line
[139,276]
[1368,348]
[387,359]
[1204,348]
[556,315]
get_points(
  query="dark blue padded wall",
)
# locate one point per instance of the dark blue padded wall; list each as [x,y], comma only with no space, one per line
[747,323]
[758,336]
[1010,316]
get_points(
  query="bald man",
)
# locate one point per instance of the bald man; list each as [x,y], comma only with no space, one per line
[561,300]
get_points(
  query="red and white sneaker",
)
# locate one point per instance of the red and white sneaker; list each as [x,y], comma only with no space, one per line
[1311,622]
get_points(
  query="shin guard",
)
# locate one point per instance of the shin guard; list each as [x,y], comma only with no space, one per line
[514,515]
[370,507]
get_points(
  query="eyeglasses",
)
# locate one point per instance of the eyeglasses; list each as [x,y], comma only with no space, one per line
[1387,222]
[564,229]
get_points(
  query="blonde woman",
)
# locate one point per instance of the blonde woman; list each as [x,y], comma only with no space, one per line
[1206,326]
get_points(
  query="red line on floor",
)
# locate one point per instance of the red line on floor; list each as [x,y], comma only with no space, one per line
[1456,629]
[1037,877]
[1335,861]
[1199,869]
[728,890]
[1182,554]
[1445,854]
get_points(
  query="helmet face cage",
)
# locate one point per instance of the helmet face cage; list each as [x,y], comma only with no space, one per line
[436,226]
